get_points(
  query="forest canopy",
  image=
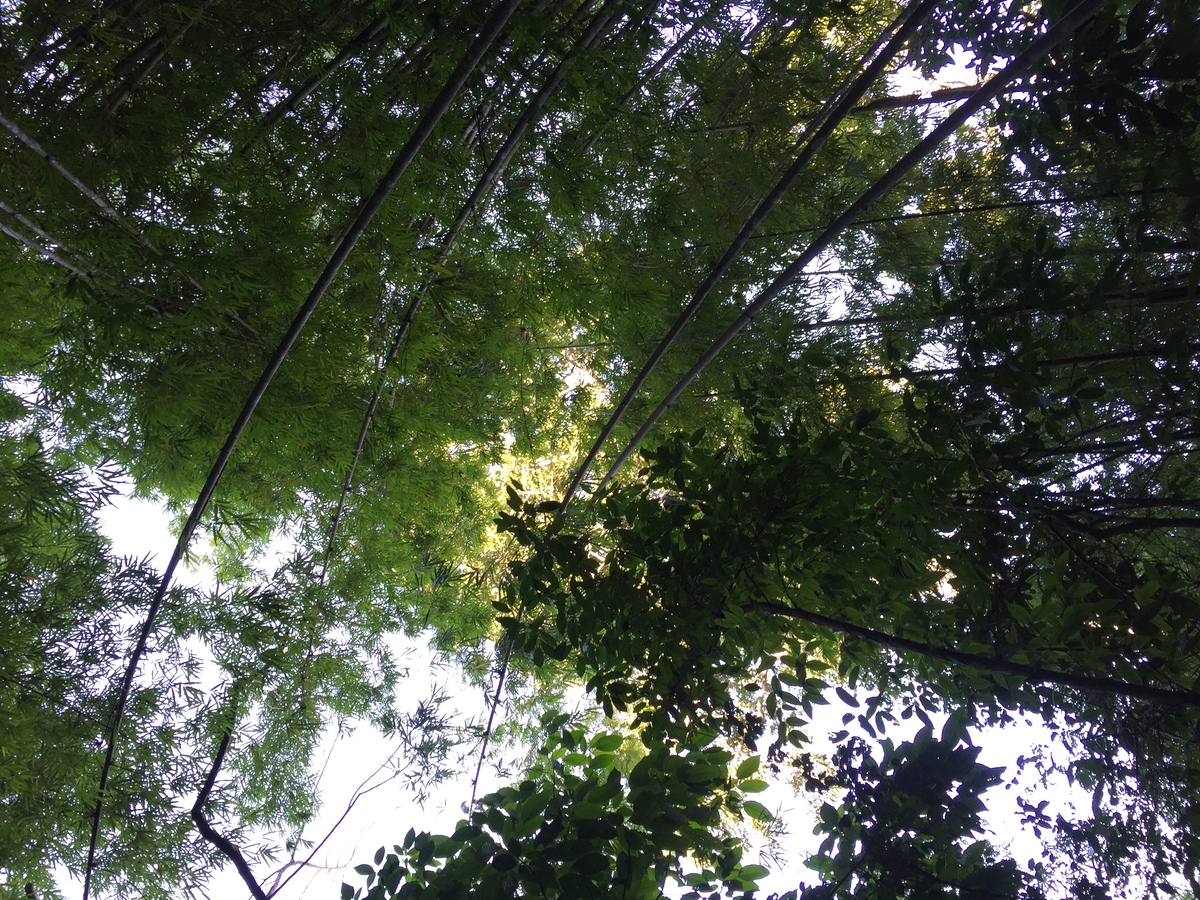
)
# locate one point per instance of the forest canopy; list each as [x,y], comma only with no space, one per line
[717,360]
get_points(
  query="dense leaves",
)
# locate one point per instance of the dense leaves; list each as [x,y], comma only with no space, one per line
[947,471]
[579,826]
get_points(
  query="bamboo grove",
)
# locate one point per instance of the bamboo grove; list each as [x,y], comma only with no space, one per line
[680,350]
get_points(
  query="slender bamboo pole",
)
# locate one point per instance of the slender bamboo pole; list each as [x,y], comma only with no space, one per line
[440,106]
[983,95]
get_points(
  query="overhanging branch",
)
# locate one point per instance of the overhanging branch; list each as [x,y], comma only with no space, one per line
[211,835]
[1096,684]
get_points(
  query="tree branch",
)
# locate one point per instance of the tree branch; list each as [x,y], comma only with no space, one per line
[1110,686]
[50,240]
[156,48]
[211,835]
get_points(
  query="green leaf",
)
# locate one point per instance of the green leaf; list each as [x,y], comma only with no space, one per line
[748,767]
[606,743]
[753,872]
[757,811]
[846,697]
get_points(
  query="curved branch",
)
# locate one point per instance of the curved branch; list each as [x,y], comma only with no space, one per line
[211,835]
[361,791]
[487,731]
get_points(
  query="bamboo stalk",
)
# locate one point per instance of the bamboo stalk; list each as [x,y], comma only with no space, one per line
[1065,26]
[366,213]
[877,58]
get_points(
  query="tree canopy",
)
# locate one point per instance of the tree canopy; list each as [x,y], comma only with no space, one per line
[680,350]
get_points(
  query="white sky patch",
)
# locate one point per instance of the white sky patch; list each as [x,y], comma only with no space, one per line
[962,72]
[576,375]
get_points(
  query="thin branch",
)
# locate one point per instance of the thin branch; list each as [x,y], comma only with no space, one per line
[103,205]
[44,251]
[872,65]
[1110,686]
[245,98]
[943,95]
[91,272]
[1024,203]
[147,47]
[487,731]
[361,791]
[599,25]
[362,220]
[904,101]
[982,96]
[121,94]
[1113,356]
[211,835]
[1177,295]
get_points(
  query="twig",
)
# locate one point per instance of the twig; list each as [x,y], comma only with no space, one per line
[487,732]
[361,791]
